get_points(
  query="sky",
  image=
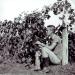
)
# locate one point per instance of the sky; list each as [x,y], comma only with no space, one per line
[9,9]
[12,8]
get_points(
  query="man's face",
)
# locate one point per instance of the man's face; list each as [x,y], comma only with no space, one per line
[49,31]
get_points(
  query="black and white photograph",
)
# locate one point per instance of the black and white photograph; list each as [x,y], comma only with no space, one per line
[37,37]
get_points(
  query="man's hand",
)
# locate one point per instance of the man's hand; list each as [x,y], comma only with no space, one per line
[39,43]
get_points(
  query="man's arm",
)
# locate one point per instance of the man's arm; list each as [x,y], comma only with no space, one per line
[49,47]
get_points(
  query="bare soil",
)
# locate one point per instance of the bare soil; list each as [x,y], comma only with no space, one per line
[20,69]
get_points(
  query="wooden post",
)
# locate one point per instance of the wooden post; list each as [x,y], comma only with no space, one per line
[65,46]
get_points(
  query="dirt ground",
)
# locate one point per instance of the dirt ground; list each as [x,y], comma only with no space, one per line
[20,69]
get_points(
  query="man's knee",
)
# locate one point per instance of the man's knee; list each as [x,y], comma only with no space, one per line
[55,60]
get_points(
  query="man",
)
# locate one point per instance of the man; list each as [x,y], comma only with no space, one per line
[52,49]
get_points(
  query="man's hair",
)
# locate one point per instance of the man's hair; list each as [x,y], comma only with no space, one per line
[51,26]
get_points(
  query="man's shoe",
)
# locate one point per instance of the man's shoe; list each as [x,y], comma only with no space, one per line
[46,70]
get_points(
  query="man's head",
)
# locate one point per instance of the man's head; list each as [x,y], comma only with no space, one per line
[50,29]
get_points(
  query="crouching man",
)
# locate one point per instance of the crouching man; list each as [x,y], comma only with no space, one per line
[52,49]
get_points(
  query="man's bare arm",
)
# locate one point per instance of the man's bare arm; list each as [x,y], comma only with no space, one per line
[49,47]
